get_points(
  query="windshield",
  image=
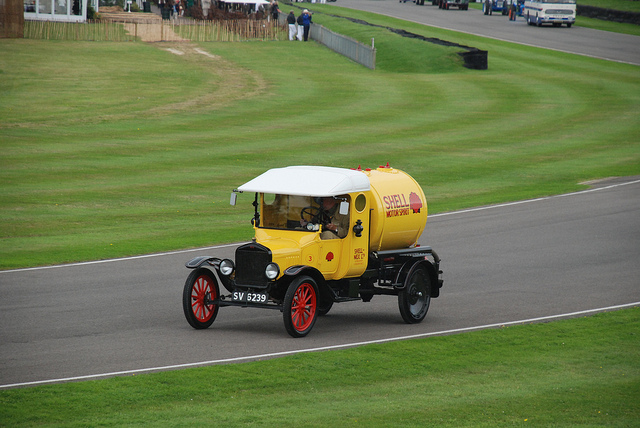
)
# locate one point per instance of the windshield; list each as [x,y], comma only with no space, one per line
[284,211]
[304,213]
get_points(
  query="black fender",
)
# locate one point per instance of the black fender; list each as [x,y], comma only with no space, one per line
[294,271]
[200,260]
[215,263]
[431,270]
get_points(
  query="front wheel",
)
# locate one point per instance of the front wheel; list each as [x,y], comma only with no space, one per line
[200,289]
[300,306]
[415,297]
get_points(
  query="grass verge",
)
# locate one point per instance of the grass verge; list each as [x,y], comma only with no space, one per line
[114,149]
[579,372]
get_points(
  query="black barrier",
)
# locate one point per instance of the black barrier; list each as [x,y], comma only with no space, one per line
[475,59]
[608,14]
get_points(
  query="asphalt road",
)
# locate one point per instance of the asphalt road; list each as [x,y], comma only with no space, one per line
[501,264]
[578,40]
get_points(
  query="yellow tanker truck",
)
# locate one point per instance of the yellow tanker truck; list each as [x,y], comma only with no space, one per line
[322,235]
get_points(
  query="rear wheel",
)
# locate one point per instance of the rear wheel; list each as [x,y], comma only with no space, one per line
[300,306]
[200,289]
[414,299]
[324,306]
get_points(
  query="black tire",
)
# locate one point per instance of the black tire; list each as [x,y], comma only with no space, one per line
[300,308]
[415,297]
[324,306]
[201,286]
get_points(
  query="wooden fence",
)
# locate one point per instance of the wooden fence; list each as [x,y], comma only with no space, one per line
[162,31]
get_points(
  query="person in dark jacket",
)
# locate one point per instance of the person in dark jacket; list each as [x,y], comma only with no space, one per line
[306,23]
[275,12]
[300,26]
[291,20]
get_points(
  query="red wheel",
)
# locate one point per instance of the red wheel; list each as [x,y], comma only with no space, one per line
[300,306]
[200,289]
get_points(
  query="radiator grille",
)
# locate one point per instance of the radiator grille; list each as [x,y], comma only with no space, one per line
[251,260]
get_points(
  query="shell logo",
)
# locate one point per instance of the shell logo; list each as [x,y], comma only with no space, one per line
[397,205]
[330,256]
[415,203]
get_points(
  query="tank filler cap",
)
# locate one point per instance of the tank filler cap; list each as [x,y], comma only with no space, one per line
[386,168]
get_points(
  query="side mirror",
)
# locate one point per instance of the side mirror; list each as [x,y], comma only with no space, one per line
[234,197]
[344,208]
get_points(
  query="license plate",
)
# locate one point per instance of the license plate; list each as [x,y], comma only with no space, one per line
[249,297]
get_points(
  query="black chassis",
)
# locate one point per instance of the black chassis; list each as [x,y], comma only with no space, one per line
[385,275]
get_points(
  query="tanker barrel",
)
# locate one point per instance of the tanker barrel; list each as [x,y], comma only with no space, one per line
[398,209]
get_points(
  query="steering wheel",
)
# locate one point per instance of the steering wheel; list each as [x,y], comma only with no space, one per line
[312,212]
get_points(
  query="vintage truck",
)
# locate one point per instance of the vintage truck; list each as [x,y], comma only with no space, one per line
[446,4]
[322,235]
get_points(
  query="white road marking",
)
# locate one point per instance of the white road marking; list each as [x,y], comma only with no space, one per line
[526,201]
[322,348]
[488,207]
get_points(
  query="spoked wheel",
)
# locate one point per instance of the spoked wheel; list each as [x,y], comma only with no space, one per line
[200,289]
[414,299]
[300,306]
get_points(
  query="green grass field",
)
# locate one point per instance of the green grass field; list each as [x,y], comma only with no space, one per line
[574,373]
[114,149]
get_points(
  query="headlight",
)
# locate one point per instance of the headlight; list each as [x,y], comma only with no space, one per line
[272,271]
[226,267]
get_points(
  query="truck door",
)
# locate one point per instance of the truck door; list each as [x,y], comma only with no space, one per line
[357,246]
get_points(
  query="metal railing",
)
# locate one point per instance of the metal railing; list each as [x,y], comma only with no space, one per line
[351,48]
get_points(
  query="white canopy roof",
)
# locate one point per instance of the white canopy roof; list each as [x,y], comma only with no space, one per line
[308,181]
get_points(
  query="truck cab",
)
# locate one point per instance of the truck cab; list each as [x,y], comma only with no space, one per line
[322,235]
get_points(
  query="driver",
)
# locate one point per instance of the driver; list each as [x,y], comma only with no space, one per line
[333,223]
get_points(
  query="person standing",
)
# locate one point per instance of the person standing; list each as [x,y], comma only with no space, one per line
[306,23]
[275,12]
[488,8]
[291,20]
[300,26]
